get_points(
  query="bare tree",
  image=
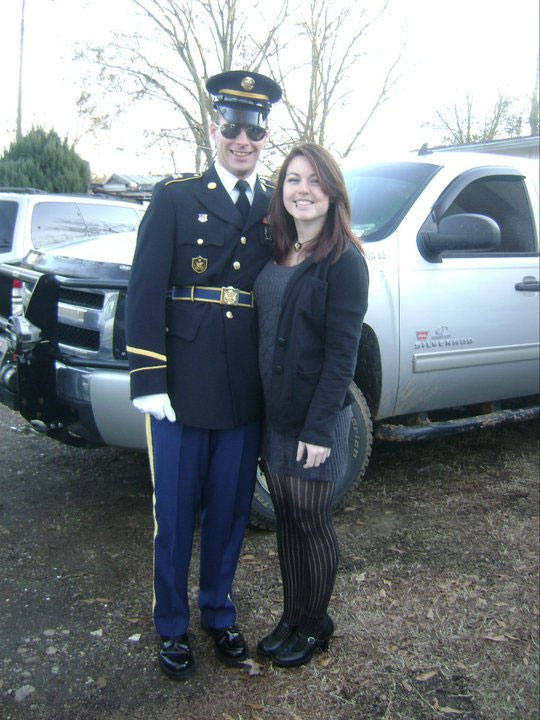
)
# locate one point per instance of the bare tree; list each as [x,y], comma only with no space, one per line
[185,41]
[335,50]
[92,121]
[461,126]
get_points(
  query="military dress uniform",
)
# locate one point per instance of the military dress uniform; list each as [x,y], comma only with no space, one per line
[191,333]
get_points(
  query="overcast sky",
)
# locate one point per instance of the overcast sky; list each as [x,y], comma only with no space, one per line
[478,46]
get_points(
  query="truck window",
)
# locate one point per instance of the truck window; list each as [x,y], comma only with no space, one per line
[504,199]
[56,222]
[101,219]
[382,194]
[8,215]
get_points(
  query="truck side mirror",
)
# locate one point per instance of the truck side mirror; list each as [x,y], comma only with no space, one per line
[464,232]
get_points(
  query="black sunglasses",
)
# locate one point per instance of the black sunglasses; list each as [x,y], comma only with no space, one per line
[233,130]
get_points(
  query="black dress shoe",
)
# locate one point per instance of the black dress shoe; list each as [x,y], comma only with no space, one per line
[299,647]
[229,644]
[274,640]
[175,657]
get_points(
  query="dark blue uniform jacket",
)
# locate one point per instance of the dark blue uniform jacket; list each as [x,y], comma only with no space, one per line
[204,355]
[316,346]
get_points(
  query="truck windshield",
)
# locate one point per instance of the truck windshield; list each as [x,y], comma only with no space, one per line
[55,223]
[382,194]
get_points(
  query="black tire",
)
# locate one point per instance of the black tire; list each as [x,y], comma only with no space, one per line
[360,439]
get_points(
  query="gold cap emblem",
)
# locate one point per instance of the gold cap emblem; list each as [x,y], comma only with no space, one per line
[248,83]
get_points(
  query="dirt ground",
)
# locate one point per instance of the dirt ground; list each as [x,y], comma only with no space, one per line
[435,605]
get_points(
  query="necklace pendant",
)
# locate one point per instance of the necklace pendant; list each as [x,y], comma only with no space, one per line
[297,246]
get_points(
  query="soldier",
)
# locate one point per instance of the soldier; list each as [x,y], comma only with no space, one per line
[191,336]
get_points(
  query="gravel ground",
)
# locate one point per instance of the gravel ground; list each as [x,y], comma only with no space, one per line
[436,601]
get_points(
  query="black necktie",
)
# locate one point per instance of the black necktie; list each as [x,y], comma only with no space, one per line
[242,202]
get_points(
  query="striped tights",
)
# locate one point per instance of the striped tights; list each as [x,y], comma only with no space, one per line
[307,547]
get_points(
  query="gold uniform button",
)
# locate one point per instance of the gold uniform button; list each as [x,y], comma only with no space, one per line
[243,240]
[236,265]
[229,315]
[200,241]
[212,185]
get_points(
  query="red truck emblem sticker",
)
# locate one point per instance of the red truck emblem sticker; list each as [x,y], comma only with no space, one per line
[422,335]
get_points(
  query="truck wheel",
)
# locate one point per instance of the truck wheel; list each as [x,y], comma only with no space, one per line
[360,439]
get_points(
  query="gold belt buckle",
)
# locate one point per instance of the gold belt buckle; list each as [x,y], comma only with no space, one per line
[230,296]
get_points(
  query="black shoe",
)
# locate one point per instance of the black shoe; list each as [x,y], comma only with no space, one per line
[175,657]
[276,639]
[229,644]
[299,648]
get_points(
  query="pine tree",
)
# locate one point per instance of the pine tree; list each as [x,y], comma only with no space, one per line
[42,160]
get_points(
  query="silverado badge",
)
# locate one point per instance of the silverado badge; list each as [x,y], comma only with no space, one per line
[199,264]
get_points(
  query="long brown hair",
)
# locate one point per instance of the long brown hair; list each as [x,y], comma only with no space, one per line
[336,232]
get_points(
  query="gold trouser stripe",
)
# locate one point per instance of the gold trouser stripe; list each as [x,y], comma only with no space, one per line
[146,353]
[151,461]
[150,367]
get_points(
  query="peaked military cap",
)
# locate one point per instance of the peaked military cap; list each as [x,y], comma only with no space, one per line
[250,94]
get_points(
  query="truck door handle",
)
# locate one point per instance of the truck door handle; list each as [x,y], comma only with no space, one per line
[528,284]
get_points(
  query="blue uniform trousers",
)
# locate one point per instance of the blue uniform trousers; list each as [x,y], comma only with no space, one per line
[211,471]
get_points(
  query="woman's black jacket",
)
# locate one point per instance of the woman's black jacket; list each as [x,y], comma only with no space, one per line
[316,346]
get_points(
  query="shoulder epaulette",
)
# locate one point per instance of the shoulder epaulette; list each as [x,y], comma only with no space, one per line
[182,177]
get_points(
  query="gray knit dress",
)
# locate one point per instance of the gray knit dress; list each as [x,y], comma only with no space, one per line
[279,450]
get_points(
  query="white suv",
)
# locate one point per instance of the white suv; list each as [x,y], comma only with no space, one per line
[35,220]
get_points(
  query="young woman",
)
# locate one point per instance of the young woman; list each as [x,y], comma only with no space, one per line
[311,300]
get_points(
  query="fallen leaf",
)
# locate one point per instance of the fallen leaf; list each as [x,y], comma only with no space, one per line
[253,667]
[426,676]
[387,582]
[494,638]
[407,685]
[430,614]
[91,601]
[101,682]
[255,706]
[226,716]
[324,662]
[449,710]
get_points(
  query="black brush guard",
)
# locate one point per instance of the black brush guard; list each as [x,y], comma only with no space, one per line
[27,371]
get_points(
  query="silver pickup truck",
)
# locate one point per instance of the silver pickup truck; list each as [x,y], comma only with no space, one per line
[450,340]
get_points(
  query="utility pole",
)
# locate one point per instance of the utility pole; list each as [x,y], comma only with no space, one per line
[533,115]
[19,103]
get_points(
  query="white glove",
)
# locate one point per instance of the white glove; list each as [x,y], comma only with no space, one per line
[158,405]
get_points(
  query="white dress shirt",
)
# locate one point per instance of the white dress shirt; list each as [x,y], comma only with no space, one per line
[229,181]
